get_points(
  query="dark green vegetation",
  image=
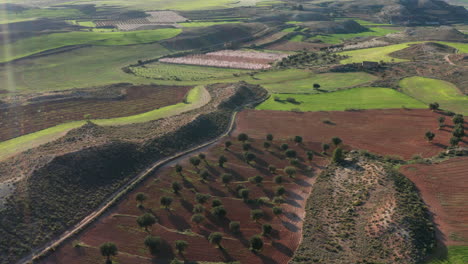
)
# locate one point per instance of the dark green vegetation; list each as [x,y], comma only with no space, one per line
[363,211]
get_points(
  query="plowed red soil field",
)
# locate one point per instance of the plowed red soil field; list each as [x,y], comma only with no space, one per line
[444,188]
[119,224]
[21,120]
[386,132]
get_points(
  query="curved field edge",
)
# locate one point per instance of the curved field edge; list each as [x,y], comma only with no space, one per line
[383,53]
[196,98]
[34,45]
[455,255]
[430,90]
[350,99]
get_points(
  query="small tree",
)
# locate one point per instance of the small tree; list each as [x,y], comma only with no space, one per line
[216,202]
[256,243]
[219,212]
[204,174]
[154,244]
[441,120]
[278,200]
[454,141]
[176,187]
[198,218]
[234,226]
[195,161]
[310,155]
[316,86]
[202,198]
[246,146]
[278,179]
[202,156]
[272,169]
[181,246]
[146,220]
[226,178]
[266,145]
[325,148]
[256,214]
[249,157]
[227,144]
[166,201]
[458,131]
[290,171]
[338,156]
[222,159]
[269,137]
[216,238]
[108,249]
[458,119]
[178,169]
[429,136]
[284,146]
[242,137]
[280,191]
[244,194]
[176,261]
[266,229]
[290,153]
[336,141]
[277,210]
[298,139]
[140,198]
[434,106]
[198,209]
[256,179]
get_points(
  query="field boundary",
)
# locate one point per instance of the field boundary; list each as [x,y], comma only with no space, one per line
[51,246]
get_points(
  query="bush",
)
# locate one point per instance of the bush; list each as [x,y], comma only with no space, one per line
[234,226]
[256,243]
[219,212]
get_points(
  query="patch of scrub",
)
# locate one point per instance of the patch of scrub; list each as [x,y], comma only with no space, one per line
[355,98]
[430,90]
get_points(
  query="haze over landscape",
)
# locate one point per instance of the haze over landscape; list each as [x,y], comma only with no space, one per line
[233,131]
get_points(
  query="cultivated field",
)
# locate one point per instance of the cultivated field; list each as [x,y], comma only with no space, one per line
[120,226]
[355,98]
[327,82]
[132,100]
[340,38]
[236,59]
[443,187]
[154,18]
[430,90]
[34,45]
[385,132]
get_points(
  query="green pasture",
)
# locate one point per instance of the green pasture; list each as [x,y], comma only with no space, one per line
[179,72]
[327,81]
[338,38]
[355,98]
[195,99]
[33,45]
[455,255]
[461,47]
[363,22]
[206,24]
[34,13]
[430,90]
[297,38]
[79,68]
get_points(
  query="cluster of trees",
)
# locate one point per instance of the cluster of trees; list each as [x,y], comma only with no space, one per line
[458,131]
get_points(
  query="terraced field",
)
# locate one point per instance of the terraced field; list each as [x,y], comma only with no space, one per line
[355,98]
[430,90]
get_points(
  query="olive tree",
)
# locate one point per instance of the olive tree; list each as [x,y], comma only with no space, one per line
[108,249]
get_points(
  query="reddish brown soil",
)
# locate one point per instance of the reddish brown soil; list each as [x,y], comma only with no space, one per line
[444,188]
[295,46]
[386,132]
[120,227]
[17,121]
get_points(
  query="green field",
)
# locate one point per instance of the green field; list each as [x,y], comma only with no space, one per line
[33,45]
[206,24]
[196,98]
[174,72]
[29,14]
[79,68]
[355,98]
[338,38]
[374,54]
[327,81]
[430,90]
[456,255]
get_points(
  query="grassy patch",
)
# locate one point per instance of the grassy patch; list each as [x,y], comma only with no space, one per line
[430,90]
[327,81]
[206,24]
[30,46]
[356,98]
[375,54]
[297,38]
[338,38]
[29,14]
[462,47]
[456,255]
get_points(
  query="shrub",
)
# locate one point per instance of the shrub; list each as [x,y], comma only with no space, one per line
[298,139]
[153,243]
[278,179]
[256,179]
[277,210]
[216,238]
[198,208]
[266,229]
[227,144]
[198,218]
[290,153]
[176,187]
[269,137]
[166,201]
[338,155]
[242,137]
[256,214]
[226,178]
[202,198]
[256,243]
[272,169]
[246,146]
[458,119]
[219,212]
[234,226]
[278,200]
[284,147]
[244,194]
[216,202]
[290,171]
[266,145]
[336,141]
[280,191]
[429,136]
[181,245]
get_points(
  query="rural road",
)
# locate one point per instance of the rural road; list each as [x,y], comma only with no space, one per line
[43,250]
